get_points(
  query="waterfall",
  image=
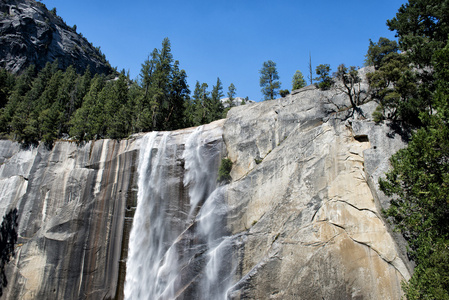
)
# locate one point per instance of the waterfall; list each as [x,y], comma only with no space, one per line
[177,248]
[211,227]
[198,164]
[148,276]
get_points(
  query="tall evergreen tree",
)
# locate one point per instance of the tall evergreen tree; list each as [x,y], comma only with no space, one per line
[161,77]
[161,84]
[231,95]
[115,109]
[15,105]
[86,121]
[310,69]
[178,96]
[418,182]
[144,116]
[51,111]
[198,110]
[82,87]
[269,80]
[324,80]
[216,104]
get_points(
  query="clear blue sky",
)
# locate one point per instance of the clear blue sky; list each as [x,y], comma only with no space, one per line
[231,39]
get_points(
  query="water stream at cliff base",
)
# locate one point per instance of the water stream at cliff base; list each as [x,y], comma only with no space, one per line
[178,249]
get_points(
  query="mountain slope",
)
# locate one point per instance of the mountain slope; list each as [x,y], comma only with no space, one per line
[31,34]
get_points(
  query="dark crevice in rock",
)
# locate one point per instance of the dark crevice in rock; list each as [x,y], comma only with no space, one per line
[359,209]
[363,138]
[368,246]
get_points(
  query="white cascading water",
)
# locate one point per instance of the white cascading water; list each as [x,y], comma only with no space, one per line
[198,166]
[216,281]
[147,275]
[155,261]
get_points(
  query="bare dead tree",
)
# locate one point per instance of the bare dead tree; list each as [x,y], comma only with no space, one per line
[351,85]
[310,69]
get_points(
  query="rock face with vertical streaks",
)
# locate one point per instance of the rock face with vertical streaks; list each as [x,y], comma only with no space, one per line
[73,201]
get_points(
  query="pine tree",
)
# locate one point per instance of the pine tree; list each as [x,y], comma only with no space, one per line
[324,80]
[216,104]
[269,80]
[86,121]
[178,96]
[231,95]
[198,109]
[378,52]
[157,75]
[418,182]
[114,108]
[298,81]
[15,108]
[310,69]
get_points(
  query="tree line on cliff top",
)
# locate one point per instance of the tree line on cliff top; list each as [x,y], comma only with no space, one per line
[50,104]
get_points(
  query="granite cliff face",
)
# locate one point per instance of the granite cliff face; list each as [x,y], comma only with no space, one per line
[30,34]
[305,205]
[299,220]
[73,204]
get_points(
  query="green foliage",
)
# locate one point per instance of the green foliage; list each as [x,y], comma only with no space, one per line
[269,80]
[325,82]
[231,94]
[419,186]
[198,111]
[419,183]
[224,171]
[53,104]
[430,280]
[378,51]
[422,27]
[284,93]
[7,82]
[216,111]
[394,86]
[8,239]
[298,81]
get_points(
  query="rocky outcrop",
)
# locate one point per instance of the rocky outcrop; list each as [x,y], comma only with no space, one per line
[301,218]
[305,203]
[30,34]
